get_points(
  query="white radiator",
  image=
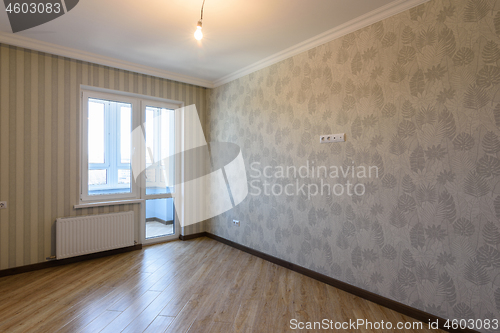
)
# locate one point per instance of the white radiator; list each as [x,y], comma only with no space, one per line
[76,236]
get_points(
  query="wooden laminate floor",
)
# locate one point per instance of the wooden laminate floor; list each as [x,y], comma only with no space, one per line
[192,286]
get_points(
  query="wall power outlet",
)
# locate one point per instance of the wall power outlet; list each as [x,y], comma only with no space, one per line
[3,204]
[236,223]
[332,138]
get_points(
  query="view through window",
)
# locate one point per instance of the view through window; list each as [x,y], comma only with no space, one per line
[109,147]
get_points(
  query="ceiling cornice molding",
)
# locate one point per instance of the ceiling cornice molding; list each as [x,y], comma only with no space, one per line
[372,17]
[360,22]
[33,44]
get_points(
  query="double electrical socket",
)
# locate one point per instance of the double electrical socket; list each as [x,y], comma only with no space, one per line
[236,223]
[3,204]
[332,138]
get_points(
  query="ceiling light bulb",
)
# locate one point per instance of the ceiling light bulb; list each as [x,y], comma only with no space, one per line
[198,34]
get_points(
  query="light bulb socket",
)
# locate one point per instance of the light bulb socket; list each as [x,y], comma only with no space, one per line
[199,24]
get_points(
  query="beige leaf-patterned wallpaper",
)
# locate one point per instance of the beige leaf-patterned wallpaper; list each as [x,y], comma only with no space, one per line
[418,96]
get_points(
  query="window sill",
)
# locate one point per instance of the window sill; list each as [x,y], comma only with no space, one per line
[108,203]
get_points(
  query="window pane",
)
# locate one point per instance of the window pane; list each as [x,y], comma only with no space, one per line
[150,175]
[96,131]
[125,129]
[164,135]
[160,150]
[124,176]
[97,177]
[109,137]
[150,134]
[160,217]
[167,146]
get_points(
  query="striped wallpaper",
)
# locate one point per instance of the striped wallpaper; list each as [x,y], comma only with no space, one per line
[39,148]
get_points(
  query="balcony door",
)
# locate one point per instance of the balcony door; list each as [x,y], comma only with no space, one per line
[159,178]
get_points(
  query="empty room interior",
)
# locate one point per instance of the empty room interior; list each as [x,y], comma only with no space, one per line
[250,166]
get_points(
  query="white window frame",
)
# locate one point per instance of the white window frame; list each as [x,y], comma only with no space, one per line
[113,163]
[158,145]
[137,194]
[84,167]
[170,105]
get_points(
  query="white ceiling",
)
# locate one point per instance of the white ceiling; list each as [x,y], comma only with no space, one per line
[158,34]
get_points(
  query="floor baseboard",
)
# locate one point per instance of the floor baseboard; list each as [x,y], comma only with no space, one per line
[362,293]
[192,236]
[54,263]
